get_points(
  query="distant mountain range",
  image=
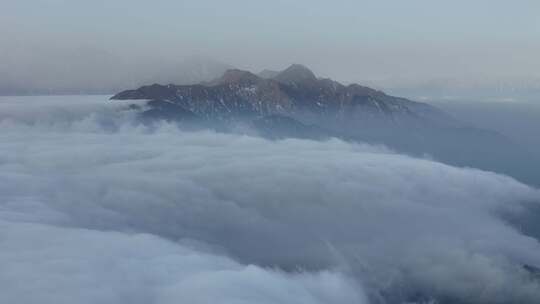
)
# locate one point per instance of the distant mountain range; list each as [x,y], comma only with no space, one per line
[510,89]
[35,71]
[295,103]
[101,73]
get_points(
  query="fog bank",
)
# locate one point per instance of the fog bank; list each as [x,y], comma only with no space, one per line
[98,208]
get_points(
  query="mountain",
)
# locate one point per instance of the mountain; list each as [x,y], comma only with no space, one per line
[296,73]
[295,92]
[295,103]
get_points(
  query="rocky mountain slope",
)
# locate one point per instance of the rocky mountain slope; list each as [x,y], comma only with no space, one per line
[295,92]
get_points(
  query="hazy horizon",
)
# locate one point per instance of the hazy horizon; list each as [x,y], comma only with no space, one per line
[107,45]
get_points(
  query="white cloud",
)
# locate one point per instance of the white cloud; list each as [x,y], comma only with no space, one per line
[73,192]
[46,264]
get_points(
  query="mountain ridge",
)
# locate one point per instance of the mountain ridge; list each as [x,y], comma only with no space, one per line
[294,92]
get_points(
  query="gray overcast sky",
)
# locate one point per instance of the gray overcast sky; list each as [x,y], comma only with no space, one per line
[414,40]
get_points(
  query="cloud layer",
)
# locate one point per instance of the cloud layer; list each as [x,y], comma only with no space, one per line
[46,264]
[93,206]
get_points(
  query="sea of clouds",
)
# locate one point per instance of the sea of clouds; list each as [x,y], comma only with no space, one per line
[95,208]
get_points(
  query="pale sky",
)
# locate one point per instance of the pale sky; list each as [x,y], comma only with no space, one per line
[414,40]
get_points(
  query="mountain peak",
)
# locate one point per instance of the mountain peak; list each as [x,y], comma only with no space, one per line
[296,73]
[238,77]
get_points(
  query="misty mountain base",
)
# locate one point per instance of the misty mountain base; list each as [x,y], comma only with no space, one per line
[295,103]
